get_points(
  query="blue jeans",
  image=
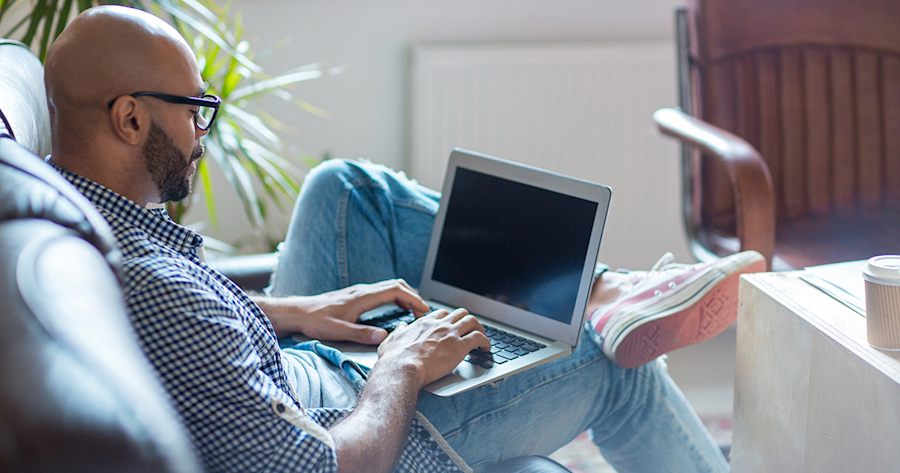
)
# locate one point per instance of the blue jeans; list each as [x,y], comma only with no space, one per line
[356,222]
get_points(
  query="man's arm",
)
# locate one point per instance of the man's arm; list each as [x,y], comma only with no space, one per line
[372,438]
[217,361]
[333,315]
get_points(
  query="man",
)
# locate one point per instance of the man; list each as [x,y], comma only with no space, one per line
[128,112]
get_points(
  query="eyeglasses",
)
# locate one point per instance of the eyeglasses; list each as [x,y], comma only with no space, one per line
[203,119]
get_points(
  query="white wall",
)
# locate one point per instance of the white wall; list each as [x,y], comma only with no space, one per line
[369,104]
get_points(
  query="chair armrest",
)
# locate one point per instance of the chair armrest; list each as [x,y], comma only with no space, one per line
[751,182]
[250,272]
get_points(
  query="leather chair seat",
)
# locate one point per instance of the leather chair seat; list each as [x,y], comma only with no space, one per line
[822,239]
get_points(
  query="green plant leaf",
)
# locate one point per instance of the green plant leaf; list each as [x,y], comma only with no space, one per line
[232,77]
[252,205]
[85,4]
[254,125]
[206,181]
[48,29]
[266,161]
[265,52]
[205,30]
[228,144]
[201,9]
[4,6]
[17,26]
[63,18]
[37,14]
[242,143]
[267,85]
[301,104]
[215,152]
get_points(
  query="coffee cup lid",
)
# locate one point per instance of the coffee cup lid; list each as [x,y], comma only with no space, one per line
[884,269]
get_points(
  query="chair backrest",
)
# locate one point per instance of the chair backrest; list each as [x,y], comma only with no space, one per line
[815,87]
[76,393]
[23,102]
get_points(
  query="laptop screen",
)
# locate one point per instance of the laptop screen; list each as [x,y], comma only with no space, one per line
[515,243]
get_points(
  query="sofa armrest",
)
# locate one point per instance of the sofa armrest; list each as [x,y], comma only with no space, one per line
[751,182]
[250,272]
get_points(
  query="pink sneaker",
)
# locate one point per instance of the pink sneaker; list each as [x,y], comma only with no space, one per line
[672,306]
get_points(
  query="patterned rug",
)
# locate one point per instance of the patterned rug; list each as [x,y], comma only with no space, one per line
[582,456]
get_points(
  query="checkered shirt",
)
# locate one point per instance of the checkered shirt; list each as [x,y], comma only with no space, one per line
[217,355]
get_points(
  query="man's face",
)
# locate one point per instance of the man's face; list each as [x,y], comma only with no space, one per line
[170,169]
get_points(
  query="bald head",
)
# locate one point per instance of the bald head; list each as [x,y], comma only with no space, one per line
[109,51]
[107,54]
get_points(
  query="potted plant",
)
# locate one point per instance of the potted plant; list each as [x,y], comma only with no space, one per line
[252,157]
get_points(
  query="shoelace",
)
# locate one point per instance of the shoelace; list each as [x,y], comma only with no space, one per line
[665,263]
[666,260]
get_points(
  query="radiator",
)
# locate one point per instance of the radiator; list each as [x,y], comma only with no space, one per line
[582,110]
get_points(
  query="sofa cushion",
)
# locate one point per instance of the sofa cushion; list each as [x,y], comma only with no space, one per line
[23,102]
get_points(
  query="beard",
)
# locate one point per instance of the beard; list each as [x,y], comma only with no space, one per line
[168,166]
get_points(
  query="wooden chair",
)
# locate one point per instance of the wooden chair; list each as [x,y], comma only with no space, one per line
[815,87]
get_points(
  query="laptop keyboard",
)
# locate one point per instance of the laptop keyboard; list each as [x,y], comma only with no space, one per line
[505,346]
[390,319]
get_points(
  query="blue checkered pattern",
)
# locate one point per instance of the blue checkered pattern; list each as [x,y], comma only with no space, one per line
[216,352]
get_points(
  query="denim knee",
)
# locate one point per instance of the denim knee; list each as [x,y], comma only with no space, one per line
[330,173]
[358,173]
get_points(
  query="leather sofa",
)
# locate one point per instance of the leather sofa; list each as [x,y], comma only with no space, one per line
[77,393]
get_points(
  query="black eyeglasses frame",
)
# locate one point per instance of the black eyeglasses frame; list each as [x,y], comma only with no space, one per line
[209,100]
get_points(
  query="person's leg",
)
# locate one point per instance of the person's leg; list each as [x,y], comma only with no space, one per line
[671,306]
[354,222]
[357,222]
[638,417]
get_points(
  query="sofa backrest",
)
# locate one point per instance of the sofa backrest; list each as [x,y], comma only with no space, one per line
[23,102]
[76,393]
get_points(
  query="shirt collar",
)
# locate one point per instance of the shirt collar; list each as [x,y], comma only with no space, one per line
[155,222]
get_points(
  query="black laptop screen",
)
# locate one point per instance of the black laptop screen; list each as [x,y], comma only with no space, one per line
[515,243]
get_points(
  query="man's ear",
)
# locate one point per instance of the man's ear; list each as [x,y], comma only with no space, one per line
[129,120]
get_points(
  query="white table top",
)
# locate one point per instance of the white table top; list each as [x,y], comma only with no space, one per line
[831,317]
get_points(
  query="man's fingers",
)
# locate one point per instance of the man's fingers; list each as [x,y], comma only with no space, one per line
[476,339]
[409,298]
[458,315]
[440,313]
[400,281]
[396,291]
[472,327]
[363,334]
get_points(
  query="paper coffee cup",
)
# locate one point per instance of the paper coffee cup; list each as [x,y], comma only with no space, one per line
[882,276]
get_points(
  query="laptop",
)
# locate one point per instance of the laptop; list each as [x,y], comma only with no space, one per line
[516,246]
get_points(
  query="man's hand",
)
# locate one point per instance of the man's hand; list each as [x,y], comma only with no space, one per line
[333,315]
[433,345]
[372,437]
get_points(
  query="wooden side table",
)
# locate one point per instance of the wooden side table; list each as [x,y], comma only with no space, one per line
[810,393]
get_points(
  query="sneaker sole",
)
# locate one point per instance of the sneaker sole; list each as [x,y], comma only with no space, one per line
[700,321]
